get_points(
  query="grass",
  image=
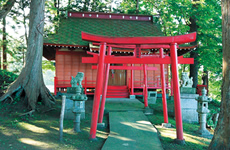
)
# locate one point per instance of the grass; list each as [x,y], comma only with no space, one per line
[41,131]
[167,135]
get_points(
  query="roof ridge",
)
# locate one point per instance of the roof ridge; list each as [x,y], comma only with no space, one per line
[112,16]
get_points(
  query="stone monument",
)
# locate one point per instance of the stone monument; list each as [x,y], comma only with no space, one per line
[188,102]
[202,109]
[78,108]
[152,97]
[76,87]
[78,97]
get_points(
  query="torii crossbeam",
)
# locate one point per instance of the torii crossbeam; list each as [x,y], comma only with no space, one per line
[137,58]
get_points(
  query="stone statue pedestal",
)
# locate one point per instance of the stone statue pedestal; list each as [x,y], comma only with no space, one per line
[189,107]
[187,90]
[189,104]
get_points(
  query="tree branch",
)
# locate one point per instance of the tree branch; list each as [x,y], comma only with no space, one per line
[6,8]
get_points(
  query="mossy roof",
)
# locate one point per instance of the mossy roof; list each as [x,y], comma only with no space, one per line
[69,31]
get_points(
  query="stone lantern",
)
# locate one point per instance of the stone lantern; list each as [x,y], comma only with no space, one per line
[78,109]
[202,109]
[78,98]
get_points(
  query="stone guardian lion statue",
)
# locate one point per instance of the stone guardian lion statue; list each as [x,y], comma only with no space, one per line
[186,81]
[77,81]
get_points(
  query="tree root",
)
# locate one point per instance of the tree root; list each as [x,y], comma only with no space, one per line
[9,93]
[47,95]
[32,94]
[27,113]
[11,99]
[45,111]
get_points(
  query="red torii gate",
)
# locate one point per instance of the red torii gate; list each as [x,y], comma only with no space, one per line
[137,58]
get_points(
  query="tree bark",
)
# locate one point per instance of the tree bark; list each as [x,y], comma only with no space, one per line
[6,8]
[221,139]
[4,48]
[205,78]
[30,81]
[137,6]
[194,54]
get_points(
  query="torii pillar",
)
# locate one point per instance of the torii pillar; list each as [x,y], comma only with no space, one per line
[145,90]
[176,90]
[98,90]
[164,100]
[105,89]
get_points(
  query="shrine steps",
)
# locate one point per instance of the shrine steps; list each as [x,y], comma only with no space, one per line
[117,92]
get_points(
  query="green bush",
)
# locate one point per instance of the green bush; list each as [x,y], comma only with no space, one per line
[6,78]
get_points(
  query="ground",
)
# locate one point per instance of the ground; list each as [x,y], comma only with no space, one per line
[41,131]
[167,135]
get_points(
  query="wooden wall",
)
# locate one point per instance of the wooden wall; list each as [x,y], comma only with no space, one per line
[69,64]
[152,75]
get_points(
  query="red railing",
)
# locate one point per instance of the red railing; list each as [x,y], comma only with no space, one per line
[150,84]
[61,85]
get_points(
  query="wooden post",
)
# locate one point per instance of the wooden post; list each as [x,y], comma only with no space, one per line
[145,86]
[164,101]
[85,85]
[98,89]
[55,85]
[105,88]
[171,81]
[177,105]
[62,118]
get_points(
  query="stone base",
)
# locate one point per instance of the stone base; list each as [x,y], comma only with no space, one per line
[100,125]
[187,90]
[148,111]
[152,100]
[204,133]
[171,98]
[93,139]
[166,125]
[179,142]
[189,115]
[132,96]
[159,95]
[189,107]
[152,97]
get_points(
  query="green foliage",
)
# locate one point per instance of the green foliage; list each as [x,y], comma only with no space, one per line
[174,16]
[48,65]
[5,79]
[88,5]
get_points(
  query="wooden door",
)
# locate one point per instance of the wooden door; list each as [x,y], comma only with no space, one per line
[117,77]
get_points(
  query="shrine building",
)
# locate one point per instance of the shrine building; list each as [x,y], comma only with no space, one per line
[120,55]
[67,48]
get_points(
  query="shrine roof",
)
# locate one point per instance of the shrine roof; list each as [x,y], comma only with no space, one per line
[69,31]
[120,25]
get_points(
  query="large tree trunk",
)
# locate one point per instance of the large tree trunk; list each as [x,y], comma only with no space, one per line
[205,78]
[194,54]
[137,6]
[30,81]
[4,44]
[221,139]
